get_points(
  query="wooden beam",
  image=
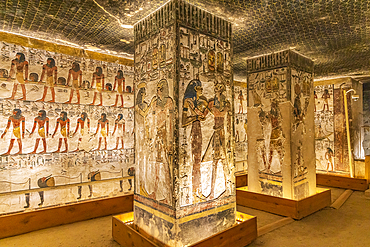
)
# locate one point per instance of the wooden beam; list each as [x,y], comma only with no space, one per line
[19,223]
[275,225]
[341,199]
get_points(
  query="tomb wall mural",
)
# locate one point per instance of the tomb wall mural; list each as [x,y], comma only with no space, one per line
[66,126]
[366,119]
[281,139]
[324,127]
[331,143]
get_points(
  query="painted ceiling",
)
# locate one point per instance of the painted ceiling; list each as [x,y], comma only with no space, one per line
[334,33]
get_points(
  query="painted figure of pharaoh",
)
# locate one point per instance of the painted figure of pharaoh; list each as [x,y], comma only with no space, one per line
[220,107]
[142,109]
[195,110]
[163,113]
[49,69]
[273,135]
[20,68]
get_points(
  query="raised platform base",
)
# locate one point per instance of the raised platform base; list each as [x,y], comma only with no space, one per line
[241,180]
[19,223]
[282,206]
[241,234]
[342,182]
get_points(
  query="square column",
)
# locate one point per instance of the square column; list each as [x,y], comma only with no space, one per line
[281,133]
[185,185]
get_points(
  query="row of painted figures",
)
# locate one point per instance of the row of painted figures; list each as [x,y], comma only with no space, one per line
[17,120]
[19,69]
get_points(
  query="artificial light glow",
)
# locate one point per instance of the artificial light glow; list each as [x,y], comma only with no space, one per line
[67,42]
[122,25]
[125,41]
[127,26]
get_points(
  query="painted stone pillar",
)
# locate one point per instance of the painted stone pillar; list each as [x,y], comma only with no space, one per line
[281,133]
[185,185]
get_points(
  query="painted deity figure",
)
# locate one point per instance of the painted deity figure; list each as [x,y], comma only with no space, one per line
[240,98]
[84,124]
[103,124]
[98,77]
[41,120]
[49,69]
[194,111]
[142,109]
[19,66]
[237,137]
[326,97]
[163,113]
[329,157]
[245,128]
[76,74]
[119,126]
[276,134]
[18,122]
[297,106]
[64,123]
[119,81]
[220,107]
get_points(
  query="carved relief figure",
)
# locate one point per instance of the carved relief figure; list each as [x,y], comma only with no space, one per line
[163,113]
[329,155]
[119,81]
[44,182]
[103,124]
[326,97]
[20,68]
[194,111]
[220,107]
[81,124]
[276,136]
[98,77]
[63,122]
[41,120]
[76,74]
[16,120]
[142,109]
[240,98]
[119,126]
[49,69]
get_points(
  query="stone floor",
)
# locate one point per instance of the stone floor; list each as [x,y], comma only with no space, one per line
[346,226]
